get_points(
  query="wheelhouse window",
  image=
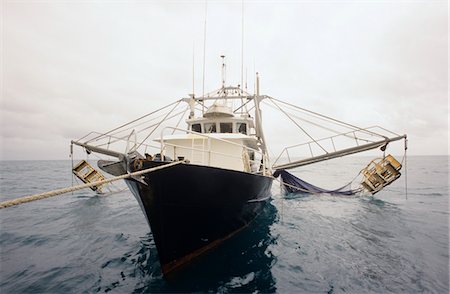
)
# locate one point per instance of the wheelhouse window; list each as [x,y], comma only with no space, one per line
[196,128]
[242,128]
[210,128]
[226,127]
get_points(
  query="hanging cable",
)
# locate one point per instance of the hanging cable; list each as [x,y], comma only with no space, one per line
[406,170]
[71,159]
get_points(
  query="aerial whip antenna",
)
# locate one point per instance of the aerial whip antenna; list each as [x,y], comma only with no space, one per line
[204,48]
[246,79]
[242,47]
[193,69]
[224,70]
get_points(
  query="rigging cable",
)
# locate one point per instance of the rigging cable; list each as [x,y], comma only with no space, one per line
[404,160]
[181,117]
[71,158]
[323,127]
[123,138]
[299,126]
[179,101]
[135,120]
[132,126]
[406,170]
[324,116]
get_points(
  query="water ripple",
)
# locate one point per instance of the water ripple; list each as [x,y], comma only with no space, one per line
[81,242]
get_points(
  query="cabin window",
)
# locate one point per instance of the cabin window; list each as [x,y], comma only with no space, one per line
[226,127]
[197,128]
[242,128]
[210,128]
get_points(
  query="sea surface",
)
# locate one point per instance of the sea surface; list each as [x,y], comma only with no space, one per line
[394,242]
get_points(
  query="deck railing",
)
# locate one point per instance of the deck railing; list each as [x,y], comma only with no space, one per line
[206,150]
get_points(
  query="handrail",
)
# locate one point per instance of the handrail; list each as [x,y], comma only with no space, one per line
[208,151]
[208,136]
[116,139]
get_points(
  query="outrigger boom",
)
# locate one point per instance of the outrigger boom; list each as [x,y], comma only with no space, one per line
[340,153]
[99,150]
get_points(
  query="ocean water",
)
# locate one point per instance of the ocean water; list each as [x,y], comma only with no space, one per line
[85,243]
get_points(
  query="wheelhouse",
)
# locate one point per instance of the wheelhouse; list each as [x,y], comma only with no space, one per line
[235,125]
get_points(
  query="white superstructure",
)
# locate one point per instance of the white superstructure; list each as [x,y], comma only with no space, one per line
[218,138]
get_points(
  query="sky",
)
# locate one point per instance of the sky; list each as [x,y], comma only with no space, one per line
[70,67]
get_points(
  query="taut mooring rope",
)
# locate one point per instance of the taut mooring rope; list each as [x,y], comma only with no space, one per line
[57,192]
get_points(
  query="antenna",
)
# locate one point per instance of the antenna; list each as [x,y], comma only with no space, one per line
[254,77]
[193,69]
[224,71]
[204,48]
[257,84]
[242,46]
[246,80]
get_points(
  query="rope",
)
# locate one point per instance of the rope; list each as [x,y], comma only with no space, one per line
[57,192]
[404,159]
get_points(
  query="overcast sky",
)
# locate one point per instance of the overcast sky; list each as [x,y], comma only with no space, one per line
[69,67]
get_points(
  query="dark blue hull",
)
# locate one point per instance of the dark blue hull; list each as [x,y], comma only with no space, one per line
[192,209]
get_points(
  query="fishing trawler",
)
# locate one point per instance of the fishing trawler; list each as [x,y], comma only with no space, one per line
[214,176]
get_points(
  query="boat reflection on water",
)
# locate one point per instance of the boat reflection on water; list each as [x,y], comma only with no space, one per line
[241,264]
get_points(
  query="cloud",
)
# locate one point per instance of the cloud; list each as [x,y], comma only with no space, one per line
[69,68]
